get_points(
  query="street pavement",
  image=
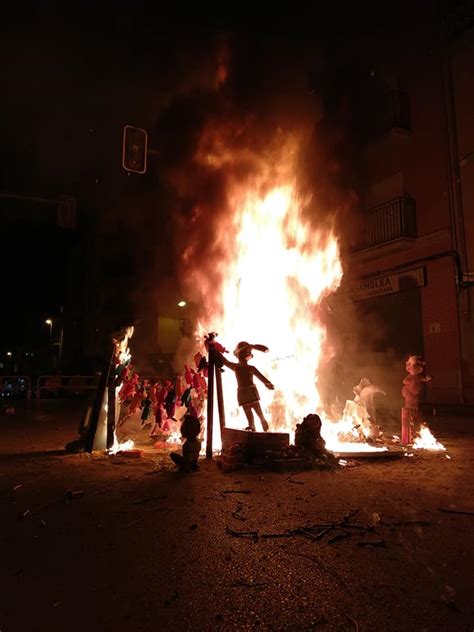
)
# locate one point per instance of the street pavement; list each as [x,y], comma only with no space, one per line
[99,543]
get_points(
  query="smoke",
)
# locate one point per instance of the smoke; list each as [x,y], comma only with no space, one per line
[243,97]
[261,95]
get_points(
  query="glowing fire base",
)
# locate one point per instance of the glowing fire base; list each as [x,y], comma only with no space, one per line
[392,452]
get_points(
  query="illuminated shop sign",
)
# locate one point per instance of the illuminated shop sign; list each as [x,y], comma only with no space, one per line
[388,284]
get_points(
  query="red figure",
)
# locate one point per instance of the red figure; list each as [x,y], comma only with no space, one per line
[128,388]
[197,359]
[196,381]
[178,387]
[188,375]
[210,341]
[137,399]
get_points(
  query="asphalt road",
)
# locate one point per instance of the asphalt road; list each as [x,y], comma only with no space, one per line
[144,548]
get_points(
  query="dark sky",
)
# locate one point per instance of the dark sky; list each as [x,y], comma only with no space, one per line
[74,72]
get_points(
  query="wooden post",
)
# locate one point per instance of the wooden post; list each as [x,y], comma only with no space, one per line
[210,406]
[220,400]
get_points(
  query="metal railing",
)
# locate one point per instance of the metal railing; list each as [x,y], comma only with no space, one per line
[392,220]
[58,385]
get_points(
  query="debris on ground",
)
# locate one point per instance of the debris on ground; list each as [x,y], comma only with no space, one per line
[463,512]
[141,501]
[236,513]
[70,494]
[236,491]
[337,530]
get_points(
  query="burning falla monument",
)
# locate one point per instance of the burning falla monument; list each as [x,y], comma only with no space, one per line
[260,251]
[269,269]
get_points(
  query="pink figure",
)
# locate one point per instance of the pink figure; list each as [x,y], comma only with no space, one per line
[412,385]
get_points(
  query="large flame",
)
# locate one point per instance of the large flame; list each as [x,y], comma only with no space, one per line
[278,268]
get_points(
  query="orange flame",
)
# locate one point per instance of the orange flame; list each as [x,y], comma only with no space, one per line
[278,268]
[426,441]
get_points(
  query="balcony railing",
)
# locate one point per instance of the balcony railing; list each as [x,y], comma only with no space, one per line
[390,221]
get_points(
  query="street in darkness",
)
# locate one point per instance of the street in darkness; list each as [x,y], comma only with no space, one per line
[144,547]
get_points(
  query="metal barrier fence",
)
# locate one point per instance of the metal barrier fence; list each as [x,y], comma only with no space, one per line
[57,385]
[15,386]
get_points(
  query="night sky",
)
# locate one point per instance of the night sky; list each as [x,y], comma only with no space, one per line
[74,73]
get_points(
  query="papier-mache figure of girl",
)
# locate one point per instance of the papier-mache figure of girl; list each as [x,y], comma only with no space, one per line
[247,393]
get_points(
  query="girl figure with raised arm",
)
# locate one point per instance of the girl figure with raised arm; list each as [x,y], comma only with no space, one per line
[247,393]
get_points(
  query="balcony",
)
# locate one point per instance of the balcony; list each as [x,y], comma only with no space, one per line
[393,223]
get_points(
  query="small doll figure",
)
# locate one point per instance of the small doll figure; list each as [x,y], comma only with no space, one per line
[247,393]
[186,397]
[197,360]
[308,438]
[196,380]
[146,408]
[170,401]
[210,342]
[128,387]
[136,400]
[190,430]
[188,375]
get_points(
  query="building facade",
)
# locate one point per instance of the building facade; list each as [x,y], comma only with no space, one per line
[413,264]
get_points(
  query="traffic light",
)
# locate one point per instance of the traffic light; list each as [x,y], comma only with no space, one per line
[134,150]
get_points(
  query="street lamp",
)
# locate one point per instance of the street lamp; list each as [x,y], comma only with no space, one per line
[9,354]
[49,322]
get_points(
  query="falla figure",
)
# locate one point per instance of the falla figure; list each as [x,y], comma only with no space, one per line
[411,391]
[190,431]
[247,393]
